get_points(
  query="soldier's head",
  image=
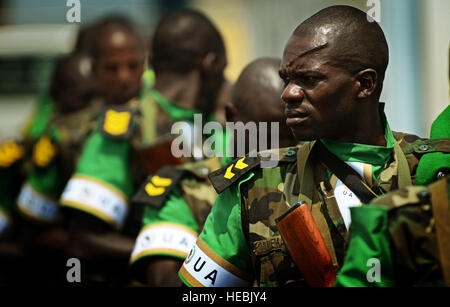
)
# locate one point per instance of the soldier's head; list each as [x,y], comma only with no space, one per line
[333,67]
[187,43]
[119,53]
[73,85]
[256,98]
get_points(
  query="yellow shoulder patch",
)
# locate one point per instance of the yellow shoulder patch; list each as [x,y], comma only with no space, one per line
[44,151]
[116,122]
[10,152]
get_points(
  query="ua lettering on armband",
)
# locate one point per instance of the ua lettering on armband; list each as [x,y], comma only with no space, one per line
[166,239]
[97,198]
[204,268]
[38,207]
[345,198]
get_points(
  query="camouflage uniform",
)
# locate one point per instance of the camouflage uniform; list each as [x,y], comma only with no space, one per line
[240,243]
[52,158]
[401,231]
[131,142]
[178,201]
[406,231]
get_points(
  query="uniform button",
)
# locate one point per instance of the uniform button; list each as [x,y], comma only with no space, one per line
[290,153]
[424,147]
[423,195]
[440,175]
[204,170]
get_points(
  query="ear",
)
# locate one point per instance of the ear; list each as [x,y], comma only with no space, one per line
[368,81]
[231,113]
[208,61]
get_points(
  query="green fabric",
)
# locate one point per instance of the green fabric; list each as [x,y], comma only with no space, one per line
[47,181]
[377,156]
[175,112]
[369,240]
[107,160]
[44,112]
[441,126]
[7,200]
[223,231]
[175,210]
[432,163]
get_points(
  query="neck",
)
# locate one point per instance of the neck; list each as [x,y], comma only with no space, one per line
[369,129]
[182,90]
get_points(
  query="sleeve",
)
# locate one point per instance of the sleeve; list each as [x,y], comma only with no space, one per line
[368,261]
[168,231]
[220,257]
[101,185]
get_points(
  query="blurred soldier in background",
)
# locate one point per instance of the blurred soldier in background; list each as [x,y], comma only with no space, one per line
[179,210]
[52,158]
[134,134]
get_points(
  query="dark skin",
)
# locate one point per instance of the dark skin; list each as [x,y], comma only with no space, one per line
[120,66]
[256,98]
[324,100]
[190,71]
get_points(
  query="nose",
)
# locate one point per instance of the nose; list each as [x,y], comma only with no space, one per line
[124,74]
[292,93]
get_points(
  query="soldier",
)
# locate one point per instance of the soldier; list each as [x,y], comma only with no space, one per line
[333,68]
[134,138]
[53,156]
[405,232]
[181,208]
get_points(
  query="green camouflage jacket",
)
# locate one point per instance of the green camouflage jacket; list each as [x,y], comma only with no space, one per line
[272,191]
[407,232]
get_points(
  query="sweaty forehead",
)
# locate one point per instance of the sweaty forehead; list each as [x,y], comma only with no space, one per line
[302,46]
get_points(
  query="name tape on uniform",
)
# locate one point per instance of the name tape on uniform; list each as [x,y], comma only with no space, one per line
[33,204]
[204,268]
[164,239]
[96,198]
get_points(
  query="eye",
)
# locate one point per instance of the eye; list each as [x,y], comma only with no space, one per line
[309,81]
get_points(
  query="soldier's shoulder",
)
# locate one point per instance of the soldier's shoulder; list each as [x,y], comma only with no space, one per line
[201,169]
[412,195]
[239,169]
[155,191]
[118,122]
[412,144]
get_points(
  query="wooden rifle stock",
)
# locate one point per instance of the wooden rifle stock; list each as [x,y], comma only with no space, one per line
[306,245]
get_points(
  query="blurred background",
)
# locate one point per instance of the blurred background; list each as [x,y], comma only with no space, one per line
[33,33]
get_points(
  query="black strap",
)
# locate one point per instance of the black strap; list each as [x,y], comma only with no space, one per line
[345,173]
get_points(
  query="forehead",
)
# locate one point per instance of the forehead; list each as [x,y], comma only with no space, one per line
[304,51]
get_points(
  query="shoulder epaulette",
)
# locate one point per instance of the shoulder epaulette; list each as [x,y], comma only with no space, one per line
[10,153]
[155,191]
[44,151]
[117,122]
[425,146]
[228,175]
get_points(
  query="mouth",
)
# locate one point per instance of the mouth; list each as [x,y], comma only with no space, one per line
[295,116]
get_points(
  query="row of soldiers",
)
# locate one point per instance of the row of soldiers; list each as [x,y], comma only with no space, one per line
[95,177]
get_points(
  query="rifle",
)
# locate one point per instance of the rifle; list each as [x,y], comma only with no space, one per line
[306,245]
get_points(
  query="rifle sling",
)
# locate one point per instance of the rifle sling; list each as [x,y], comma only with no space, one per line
[345,173]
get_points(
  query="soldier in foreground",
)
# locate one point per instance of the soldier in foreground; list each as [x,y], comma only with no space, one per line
[179,210]
[333,67]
